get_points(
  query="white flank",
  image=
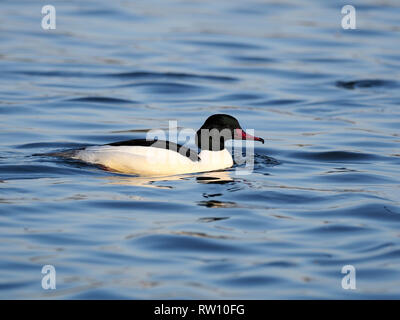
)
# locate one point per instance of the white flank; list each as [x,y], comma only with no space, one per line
[151,161]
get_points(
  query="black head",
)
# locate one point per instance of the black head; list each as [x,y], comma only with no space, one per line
[219,128]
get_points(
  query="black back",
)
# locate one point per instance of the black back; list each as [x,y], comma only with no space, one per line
[192,155]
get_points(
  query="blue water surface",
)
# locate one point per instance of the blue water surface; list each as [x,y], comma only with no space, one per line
[325,189]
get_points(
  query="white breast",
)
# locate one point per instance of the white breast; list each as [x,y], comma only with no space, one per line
[153,161]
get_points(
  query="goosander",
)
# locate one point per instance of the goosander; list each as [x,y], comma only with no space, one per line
[161,158]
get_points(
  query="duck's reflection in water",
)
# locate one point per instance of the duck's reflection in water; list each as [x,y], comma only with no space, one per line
[214,177]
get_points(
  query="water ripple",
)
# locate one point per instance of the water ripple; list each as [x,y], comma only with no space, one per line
[373,83]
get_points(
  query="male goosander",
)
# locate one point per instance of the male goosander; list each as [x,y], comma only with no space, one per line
[158,157]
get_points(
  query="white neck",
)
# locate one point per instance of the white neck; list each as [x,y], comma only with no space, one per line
[215,160]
